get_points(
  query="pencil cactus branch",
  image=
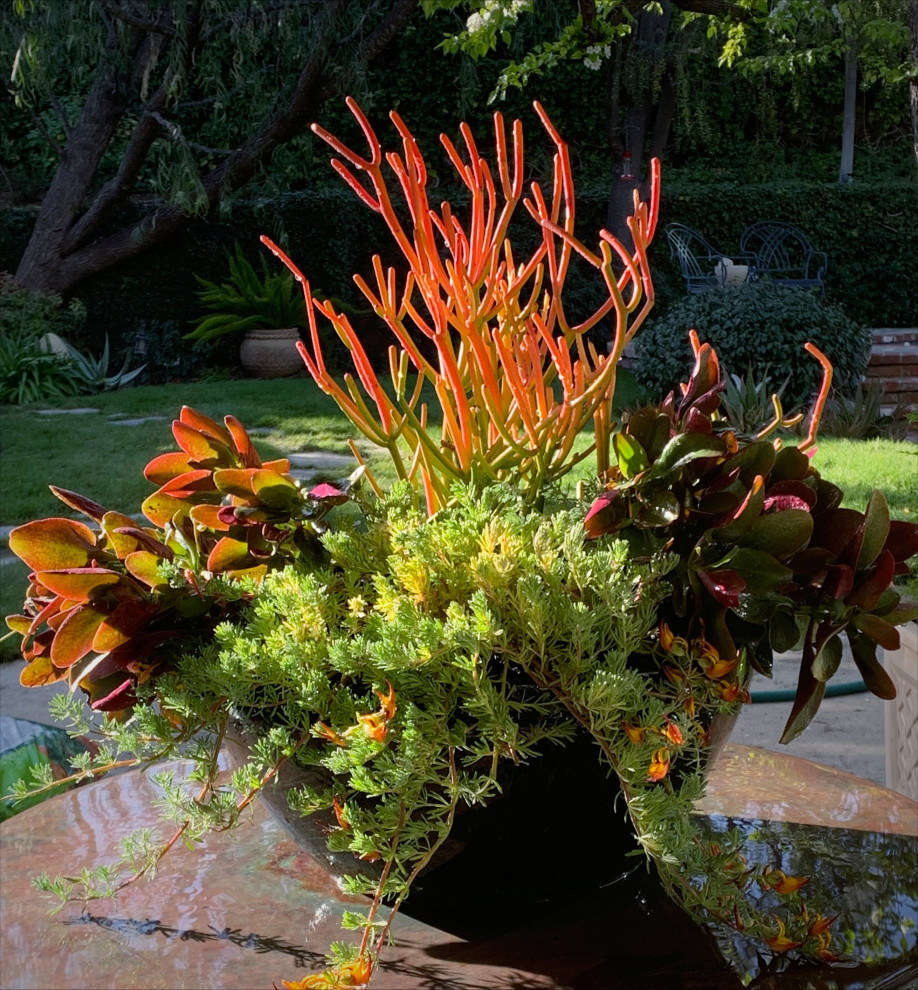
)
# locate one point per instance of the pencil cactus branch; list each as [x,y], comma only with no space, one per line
[515,378]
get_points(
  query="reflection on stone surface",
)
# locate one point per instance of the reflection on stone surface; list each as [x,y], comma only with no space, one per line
[868,879]
[758,783]
[247,908]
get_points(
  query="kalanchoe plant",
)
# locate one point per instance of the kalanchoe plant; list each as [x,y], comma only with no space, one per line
[102,613]
[768,559]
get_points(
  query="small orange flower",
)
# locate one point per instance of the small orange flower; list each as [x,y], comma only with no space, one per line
[634,732]
[659,765]
[388,702]
[780,942]
[339,814]
[673,674]
[820,925]
[785,884]
[343,977]
[375,725]
[666,637]
[325,732]
[673,733]
[672,643]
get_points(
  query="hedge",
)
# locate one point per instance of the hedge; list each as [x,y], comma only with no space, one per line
[868,231]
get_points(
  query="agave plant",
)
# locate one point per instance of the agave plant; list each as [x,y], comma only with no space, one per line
[768,560]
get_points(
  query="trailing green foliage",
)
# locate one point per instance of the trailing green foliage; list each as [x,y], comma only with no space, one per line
[757,327]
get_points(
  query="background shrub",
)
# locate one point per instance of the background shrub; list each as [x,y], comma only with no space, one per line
[758,329]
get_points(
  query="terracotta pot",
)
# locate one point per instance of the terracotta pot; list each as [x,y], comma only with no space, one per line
[271,353]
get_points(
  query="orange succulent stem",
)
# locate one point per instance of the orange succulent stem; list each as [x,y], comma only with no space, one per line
[819,404]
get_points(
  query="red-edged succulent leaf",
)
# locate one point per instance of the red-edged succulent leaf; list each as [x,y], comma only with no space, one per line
[790,464]
[160,508]
[79,584]
[189,484]
[280,466]
[247,452]
[144,566]
[201,448]
[871,534]
[204,424]
[790,494]
[274,490]
[47,544]
[213,517]
[753,461]
[111,694]
[121,543]
[703,383]
[839,581]
[652,429]
[879,630]
[874,583]
[38,646]
[739,521]
[606,515]
[229,555]
[762,573]
[808,698]
[122,624]
[236,481]
[835,529]
[79,502]
[685,448]
[19,624]
[328,493]
[39,672]
[165,467]
[147,541]
[657,507]
[632,458]
[73,640]
[697,422]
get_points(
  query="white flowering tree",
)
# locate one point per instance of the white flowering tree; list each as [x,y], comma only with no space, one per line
[629,44]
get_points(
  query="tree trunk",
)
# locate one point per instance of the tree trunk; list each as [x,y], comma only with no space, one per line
[846,169]
[642,118]
[913,85]
[62,250]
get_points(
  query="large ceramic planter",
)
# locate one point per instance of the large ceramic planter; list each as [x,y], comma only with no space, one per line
[902,714]
[537,844]
[271,353]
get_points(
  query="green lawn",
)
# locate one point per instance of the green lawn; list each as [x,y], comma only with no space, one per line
[91,454]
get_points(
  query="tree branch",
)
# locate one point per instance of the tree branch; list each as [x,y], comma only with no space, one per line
[715,8]
[145,24]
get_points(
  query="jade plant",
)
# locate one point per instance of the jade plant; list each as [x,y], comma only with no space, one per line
[769,560]
[411,645]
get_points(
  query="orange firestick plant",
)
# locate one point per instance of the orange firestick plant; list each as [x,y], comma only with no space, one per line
[517,380]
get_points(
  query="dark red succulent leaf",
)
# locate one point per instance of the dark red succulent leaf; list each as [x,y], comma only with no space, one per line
[80,502]
[724,585]
[902,541]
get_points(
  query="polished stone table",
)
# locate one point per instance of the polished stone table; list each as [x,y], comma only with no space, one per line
[249,908]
